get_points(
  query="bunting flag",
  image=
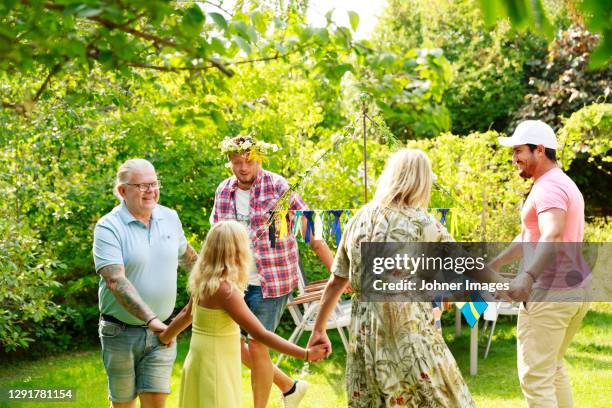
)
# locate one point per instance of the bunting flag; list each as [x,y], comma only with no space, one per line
[309,225]
[297,224]
[328,223]
[318,226]
[272,233]
[321,224]
[283,229]
[317,229]
[443,211]
[473,309]
[336,230]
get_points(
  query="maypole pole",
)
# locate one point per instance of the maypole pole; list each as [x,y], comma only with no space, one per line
[364,112]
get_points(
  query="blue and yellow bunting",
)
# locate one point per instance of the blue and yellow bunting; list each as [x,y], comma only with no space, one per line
[323,224]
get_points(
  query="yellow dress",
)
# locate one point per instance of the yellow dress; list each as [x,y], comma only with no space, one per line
[211,376]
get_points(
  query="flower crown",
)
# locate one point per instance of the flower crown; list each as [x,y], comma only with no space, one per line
[243,144]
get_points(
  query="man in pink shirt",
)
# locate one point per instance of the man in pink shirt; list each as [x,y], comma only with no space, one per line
[553,213]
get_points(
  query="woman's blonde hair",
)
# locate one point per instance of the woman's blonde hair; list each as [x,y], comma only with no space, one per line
[225,256]
[406,180]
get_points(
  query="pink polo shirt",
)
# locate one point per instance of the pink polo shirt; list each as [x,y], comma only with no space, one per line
[554,189]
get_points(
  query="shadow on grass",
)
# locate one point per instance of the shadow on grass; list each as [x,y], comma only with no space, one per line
[591,362]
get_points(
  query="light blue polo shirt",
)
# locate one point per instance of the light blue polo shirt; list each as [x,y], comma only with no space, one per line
[149,255]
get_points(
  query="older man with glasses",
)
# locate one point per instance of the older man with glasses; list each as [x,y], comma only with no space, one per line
[137,248]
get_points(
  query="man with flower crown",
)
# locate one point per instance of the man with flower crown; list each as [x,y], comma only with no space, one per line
[252,195]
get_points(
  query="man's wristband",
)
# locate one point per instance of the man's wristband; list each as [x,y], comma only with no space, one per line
[151,319]
[533,277]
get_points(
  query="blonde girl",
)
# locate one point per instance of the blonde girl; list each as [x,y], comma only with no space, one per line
[211,374]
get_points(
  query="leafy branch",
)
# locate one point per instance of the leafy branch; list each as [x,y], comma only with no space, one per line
[126,28]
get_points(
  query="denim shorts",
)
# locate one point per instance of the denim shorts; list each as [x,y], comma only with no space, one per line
[135,361]
[267,310]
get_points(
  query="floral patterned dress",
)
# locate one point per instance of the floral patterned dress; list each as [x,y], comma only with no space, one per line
[396,357]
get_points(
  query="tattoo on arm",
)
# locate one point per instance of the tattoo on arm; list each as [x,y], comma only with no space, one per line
[189,258]
[125,293]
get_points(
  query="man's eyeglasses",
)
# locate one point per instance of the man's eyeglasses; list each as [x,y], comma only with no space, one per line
[142,187]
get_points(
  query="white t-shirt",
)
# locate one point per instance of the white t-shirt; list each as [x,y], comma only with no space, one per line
[242,215]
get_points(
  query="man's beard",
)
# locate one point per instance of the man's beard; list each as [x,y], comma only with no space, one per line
[247,181]
[526,172]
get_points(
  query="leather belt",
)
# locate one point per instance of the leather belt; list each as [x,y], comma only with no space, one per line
[112,319]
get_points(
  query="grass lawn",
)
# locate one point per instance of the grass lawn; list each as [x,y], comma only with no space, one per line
[589,363]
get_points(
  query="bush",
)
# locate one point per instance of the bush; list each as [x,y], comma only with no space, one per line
[598,229]
[478,181]
[586,155]
[491,80]
[27,283]
[587,131]
[562,82]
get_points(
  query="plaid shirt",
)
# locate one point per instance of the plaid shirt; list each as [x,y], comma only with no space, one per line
[278,266]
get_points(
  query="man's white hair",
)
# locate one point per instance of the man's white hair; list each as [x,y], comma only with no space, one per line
[125,172]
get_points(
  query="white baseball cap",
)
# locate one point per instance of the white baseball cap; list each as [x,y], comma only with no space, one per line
[533,132]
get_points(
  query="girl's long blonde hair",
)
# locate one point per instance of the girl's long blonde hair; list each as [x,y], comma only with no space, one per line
[225,256]
[406,180]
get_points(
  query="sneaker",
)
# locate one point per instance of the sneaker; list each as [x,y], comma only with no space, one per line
[293,400]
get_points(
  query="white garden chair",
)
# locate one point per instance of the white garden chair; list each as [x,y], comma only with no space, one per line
[492,312]
[304,308]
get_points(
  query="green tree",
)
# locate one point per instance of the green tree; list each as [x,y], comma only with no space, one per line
[561,83]
[532,15]
[47,40]
[488,65]
[89,84]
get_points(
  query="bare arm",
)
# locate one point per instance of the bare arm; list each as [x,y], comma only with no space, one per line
[512,253]
[552,224]
[127,295]
[233,303]
[179,323]
[334,288]
[189,258]
[486,275]
[321,249]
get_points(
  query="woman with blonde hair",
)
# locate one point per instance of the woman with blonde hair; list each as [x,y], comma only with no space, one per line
[211,374]
[395,356]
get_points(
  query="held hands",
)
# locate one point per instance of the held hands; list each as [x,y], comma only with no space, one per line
[504,294]
[158,327]
[520,287]
[319,338]
[316,353]
[165,338]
